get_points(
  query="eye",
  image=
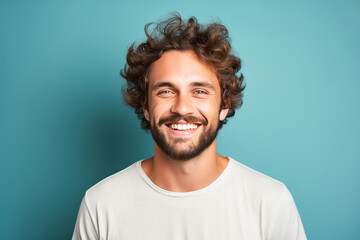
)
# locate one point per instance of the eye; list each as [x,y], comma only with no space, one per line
[164,92]
[200,92]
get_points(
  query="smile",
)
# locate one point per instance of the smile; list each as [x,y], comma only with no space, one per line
[183,127]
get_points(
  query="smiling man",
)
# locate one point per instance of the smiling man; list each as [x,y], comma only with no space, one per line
[183,86]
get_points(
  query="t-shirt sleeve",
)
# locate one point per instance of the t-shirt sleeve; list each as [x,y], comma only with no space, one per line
[286,222]
[85,227]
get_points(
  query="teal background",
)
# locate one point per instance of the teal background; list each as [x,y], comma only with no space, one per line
[64,126]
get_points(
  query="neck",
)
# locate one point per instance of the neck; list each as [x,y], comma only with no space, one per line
[185,175]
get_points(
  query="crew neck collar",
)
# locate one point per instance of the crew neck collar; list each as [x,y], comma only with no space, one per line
[184,194]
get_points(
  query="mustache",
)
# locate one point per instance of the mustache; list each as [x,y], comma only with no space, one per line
[188,119]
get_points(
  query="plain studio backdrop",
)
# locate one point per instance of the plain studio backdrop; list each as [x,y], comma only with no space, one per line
[64,125]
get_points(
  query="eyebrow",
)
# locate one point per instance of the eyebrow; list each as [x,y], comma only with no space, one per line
[193,84]
[162,84]
[202,84]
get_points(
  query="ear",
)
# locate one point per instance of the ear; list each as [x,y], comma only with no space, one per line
[145,110]
[223,114]
[224,111]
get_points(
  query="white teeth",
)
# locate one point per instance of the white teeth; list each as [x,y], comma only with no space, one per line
[183,126]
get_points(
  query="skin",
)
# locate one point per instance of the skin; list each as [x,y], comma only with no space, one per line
[181,85]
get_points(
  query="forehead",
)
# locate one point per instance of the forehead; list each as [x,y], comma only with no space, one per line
[181,67]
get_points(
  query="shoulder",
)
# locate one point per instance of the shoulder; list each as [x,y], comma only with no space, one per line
[271,200]
[114,186]
[255,183]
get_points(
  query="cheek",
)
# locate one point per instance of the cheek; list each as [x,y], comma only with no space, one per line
[157,111]
[209,107]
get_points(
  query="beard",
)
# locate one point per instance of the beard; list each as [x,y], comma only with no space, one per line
[188,148]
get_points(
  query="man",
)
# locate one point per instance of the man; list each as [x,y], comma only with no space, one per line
[183,87]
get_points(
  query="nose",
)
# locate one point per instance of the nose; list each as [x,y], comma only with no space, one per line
[182,105]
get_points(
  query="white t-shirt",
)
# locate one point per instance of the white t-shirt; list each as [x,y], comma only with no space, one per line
[240,204]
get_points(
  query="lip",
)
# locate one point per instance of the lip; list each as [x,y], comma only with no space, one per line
[182,132]
[182,122]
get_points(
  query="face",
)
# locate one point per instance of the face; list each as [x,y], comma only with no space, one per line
[183,108]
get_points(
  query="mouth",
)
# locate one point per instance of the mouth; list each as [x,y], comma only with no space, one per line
[182,126]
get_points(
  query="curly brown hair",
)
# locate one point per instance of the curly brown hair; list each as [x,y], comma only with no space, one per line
[211,44]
